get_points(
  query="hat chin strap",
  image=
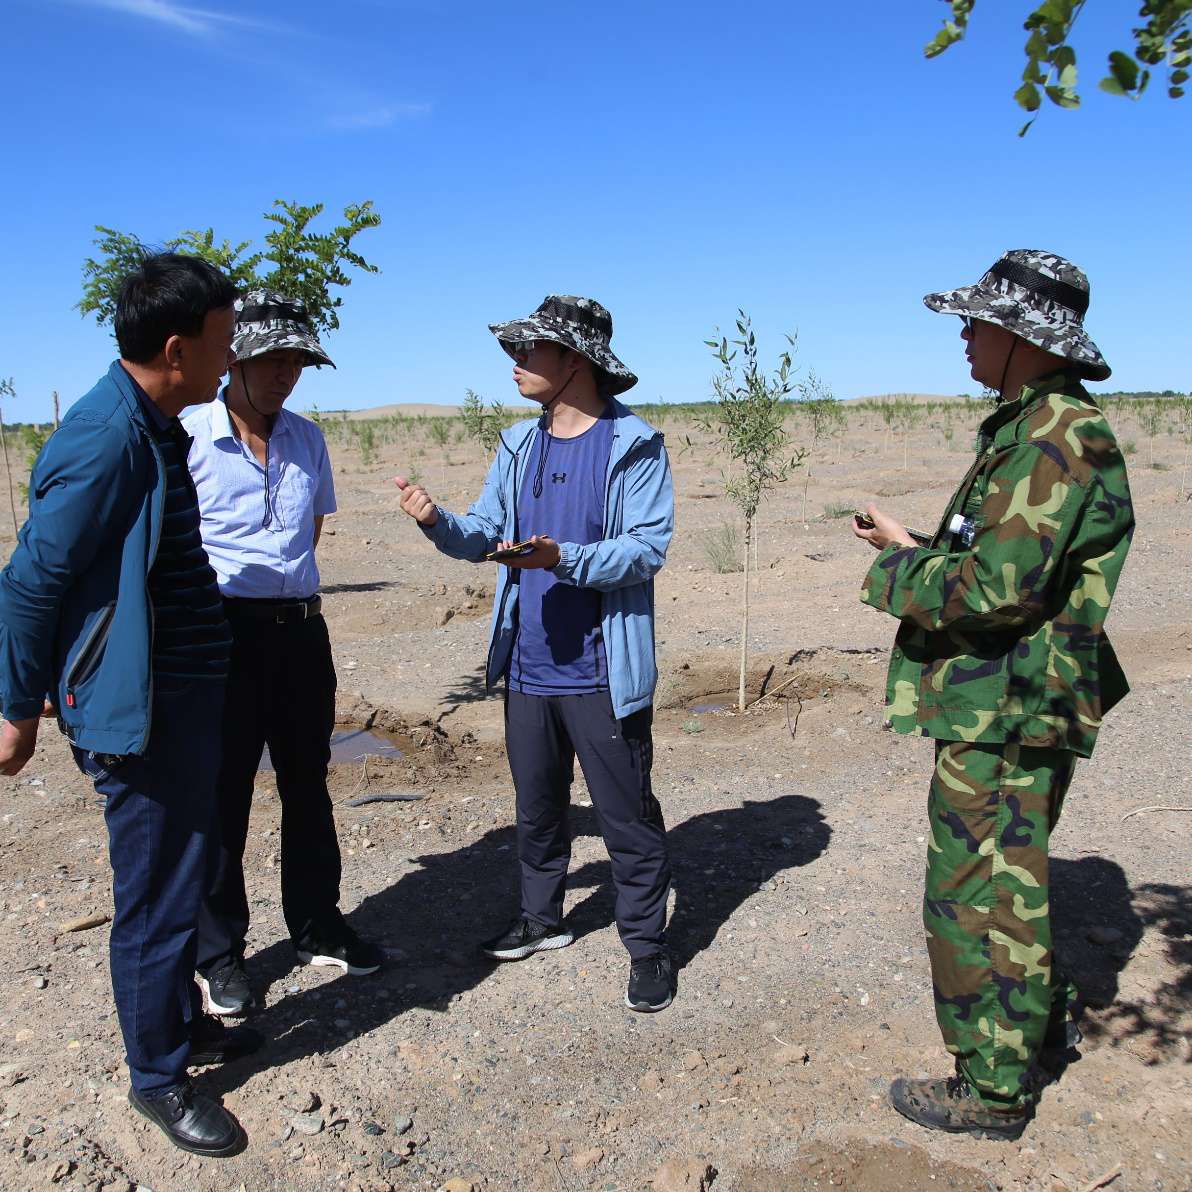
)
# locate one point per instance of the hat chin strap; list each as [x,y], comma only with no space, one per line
[547,405]
[1005,371]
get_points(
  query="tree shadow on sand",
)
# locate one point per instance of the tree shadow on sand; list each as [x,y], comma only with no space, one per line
[437,913]
[1099,922]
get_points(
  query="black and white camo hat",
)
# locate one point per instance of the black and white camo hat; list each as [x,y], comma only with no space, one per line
[269,322]
[1038,296]
[581,324]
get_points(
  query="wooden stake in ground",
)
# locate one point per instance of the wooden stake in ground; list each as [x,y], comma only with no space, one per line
[7,390]
[57,420]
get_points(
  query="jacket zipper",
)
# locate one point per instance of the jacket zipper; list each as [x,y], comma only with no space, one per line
[488,662]
[161,471]
[86,661]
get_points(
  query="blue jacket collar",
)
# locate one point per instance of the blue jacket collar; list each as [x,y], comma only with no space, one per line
[628,429]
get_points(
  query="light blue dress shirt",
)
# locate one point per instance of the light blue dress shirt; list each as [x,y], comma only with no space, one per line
[258,523]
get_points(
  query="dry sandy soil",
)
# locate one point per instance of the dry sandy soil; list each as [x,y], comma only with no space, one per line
[797,833]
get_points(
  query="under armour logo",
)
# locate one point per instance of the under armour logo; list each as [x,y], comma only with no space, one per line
[558,477]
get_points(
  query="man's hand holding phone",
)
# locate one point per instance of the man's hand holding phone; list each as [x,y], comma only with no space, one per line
[539,551]
[416,502]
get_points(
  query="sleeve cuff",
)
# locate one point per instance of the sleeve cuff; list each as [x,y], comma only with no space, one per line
[565,567]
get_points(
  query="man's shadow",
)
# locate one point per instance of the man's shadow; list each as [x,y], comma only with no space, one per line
[433,918]
[1098,923]
[718,860]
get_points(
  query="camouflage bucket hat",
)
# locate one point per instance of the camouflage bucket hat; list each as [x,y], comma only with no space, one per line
[269,322]
[1038,296]
[581,324]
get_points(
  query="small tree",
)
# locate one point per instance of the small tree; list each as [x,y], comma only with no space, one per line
[1150,421]
[822,410]
[1184,425]
[481,424]
[749,423]
[7,389]
[305,264]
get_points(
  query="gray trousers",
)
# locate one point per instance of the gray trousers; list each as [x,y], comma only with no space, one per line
[543,737]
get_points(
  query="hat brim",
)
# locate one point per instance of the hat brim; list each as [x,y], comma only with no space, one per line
[1067,340]
[618,379]
[284,337]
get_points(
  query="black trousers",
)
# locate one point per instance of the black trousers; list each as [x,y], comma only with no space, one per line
[543,737]
[280,693]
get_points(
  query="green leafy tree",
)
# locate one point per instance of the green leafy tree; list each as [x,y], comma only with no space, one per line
[1163,38]
[749,424]
[294,260]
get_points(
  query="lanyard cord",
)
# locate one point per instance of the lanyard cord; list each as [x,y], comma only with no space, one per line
[267,520]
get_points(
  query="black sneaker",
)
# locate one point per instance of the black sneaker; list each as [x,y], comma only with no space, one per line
[228,991]
[524,937]
[342,949]
[193,1122]
[651,984]
[213,1043]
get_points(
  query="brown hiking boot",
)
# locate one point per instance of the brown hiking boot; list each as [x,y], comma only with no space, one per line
[950,1104]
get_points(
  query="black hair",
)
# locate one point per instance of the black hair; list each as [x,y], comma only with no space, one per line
[169,294]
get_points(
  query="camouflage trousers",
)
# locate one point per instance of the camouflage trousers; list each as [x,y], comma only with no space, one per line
[986,911]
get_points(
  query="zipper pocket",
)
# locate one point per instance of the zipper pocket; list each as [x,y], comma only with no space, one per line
[86,661]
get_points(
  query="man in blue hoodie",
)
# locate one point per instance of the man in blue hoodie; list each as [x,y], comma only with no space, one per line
[588,485]
[110,614]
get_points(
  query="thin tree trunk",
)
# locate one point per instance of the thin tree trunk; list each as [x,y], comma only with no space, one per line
[806,486]
[12,505]
[1184,473]
[57,423]
[744,617]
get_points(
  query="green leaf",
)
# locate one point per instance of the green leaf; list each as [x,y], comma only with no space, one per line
[1027,97]
[1125,70]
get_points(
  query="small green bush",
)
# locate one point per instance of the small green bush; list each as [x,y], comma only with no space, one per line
[723,549]
[834,510]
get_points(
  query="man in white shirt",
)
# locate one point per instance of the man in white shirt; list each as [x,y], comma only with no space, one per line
[264,484]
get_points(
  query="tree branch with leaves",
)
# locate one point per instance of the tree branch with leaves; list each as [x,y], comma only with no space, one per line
[1163,39]
[295,260]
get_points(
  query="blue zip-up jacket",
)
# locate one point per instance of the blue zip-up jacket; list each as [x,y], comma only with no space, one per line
[76,624]
[639,518]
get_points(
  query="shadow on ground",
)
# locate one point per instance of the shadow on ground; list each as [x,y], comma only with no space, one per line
[455,898]
[1099,922]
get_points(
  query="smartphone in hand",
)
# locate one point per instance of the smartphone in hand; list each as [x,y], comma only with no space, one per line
[516,551]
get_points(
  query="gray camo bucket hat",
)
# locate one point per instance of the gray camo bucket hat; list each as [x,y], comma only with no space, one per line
[1038,296]
[581,324]
[269,322]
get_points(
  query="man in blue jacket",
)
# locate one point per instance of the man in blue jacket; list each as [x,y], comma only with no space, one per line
[588,484]
[109,612]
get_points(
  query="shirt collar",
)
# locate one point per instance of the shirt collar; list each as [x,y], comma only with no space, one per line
[221,420]
[1031,393]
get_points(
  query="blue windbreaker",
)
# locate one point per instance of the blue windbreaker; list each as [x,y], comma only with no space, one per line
[639,518]
[76,623]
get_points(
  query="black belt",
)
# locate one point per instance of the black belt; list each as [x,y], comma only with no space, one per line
[281,612]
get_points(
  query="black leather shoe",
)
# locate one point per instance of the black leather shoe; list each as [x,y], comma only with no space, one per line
[213,1043]
[192,1122]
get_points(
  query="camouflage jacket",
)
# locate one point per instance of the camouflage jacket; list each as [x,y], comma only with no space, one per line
[1002,635]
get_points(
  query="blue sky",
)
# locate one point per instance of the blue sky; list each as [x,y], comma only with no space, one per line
[675,161]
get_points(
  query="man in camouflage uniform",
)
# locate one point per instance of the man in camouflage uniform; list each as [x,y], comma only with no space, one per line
[1001,656]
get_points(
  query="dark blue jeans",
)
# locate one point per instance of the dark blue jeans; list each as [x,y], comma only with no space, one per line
[544,734]
[160,813]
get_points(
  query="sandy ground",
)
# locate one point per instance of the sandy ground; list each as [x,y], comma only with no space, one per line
[797,833]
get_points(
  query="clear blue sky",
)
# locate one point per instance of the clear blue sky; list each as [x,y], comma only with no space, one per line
[675,161]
